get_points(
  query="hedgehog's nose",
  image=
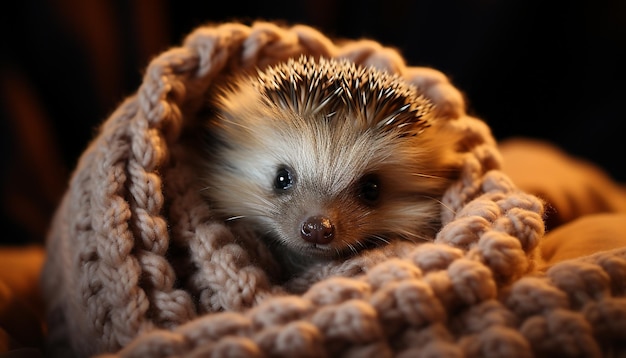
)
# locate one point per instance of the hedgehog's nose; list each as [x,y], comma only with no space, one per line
[317,230]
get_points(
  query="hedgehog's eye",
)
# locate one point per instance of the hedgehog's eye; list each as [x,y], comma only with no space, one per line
[283,179]
[369,189]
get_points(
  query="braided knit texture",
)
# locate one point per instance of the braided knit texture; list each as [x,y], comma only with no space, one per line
[137,267]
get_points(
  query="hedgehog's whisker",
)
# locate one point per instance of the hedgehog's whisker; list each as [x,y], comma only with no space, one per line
[429,176]
[232,218]
[440,203]
[380,238]
[415,237]
[353,249]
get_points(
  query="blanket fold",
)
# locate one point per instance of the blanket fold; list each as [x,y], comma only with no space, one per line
[137,266]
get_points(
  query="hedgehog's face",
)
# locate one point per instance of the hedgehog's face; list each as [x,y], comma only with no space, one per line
[321,189]
[340,193]
[325,183]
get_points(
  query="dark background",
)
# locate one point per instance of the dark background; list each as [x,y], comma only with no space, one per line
[540,69]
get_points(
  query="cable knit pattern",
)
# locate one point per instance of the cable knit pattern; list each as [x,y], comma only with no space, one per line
[137,266]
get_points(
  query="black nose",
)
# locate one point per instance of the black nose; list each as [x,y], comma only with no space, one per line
[317,230]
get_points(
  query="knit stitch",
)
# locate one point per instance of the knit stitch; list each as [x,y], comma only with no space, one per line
[137,266]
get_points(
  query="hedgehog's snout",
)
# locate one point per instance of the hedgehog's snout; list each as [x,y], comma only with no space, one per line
[317,230]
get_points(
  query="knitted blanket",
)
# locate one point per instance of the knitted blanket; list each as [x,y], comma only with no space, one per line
[137,266]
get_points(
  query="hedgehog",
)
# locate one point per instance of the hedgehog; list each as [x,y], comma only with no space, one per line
[323,159]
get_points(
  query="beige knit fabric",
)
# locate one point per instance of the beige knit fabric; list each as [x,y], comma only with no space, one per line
[136,266]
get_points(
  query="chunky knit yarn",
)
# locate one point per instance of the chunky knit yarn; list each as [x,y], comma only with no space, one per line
[138,267]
